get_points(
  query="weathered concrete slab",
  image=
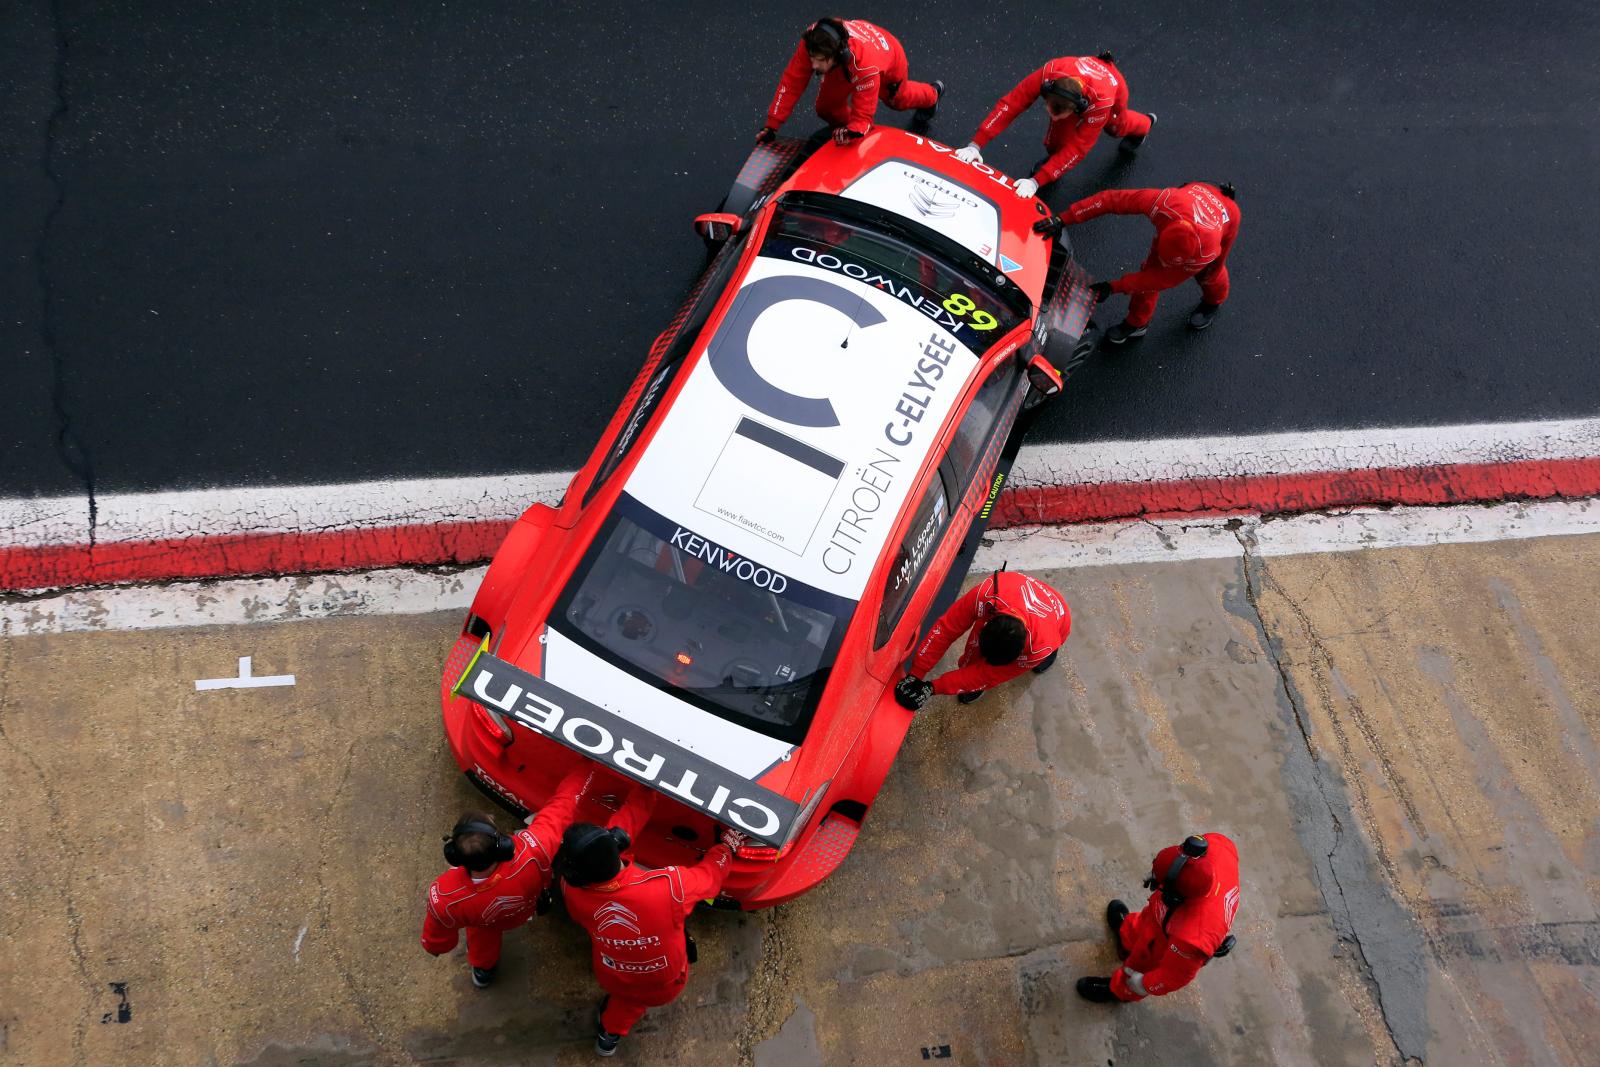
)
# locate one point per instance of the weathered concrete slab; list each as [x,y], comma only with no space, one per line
[1402,742]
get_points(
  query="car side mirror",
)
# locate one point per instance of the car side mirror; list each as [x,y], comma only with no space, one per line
[1043,376]
[717,226]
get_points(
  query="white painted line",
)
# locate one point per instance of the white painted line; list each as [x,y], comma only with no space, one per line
[406,592]
[121,517]
[245,680]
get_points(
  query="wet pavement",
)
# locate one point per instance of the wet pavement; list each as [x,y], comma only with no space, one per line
[1401,741]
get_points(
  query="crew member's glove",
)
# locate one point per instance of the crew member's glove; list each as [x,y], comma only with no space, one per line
[734,839]
[1050,225]
[912,692]
[844,135]
[767,134]
[969,154]
[1026,187]
[1101,291]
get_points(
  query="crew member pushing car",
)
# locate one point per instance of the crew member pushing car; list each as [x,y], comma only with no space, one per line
[494,881]
[1184,926]
[860,64]
[1195,228]
[1084,96]
[634,917]
[1024,623]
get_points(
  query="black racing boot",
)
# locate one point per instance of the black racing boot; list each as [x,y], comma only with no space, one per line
[1122,333]
[1131,145]
[1116,915]
[1097,990]
[483,977]
[1050,661]
[922,118]
[605,1043]
[970,698]
[1202,315]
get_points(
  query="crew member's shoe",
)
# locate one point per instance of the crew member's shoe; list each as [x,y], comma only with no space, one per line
[1122,333]
[483,977]
[922,118]
[1050,661]
[1097,990]
[970,698]
[1133,144]
[605,1043]
[1202,315]
[1116,915]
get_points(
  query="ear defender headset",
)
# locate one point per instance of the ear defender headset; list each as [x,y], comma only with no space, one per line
[504,847]
[835,33]
[1193,847]
[568,861]
[1062,90]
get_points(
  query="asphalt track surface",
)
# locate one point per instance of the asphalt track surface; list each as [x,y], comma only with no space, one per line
[257,244]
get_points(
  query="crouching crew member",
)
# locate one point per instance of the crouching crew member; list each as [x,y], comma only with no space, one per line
[494,881]
[634,918]
[860,64]
[1195,228]
[1024,623]
[1183,927]
[1085,96]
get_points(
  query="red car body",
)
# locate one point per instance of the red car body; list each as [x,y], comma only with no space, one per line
[735,579]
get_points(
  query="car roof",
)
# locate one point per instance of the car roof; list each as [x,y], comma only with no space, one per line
[804,420]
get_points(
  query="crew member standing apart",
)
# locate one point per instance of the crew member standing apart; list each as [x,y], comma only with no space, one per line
[494,881]
[634,917]
[860,64]
[1183,927]
[1085,96]
[1024,622]
[1196,225]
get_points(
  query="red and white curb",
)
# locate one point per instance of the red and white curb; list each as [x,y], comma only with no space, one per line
[234,602]
[317,529]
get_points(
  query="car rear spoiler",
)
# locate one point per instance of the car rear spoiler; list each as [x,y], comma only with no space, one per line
[628,749]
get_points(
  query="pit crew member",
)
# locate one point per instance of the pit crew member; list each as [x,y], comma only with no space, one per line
[1024,623]
[1085,96]
[494,881]
[635,918]
[1183,927]
[860,64]
[1196,225]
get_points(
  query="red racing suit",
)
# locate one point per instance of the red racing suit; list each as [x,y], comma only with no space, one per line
[1009,593]
[1069,138]
[635,925]
[1167,947]
[1215,221]
[488,907]
[875,69]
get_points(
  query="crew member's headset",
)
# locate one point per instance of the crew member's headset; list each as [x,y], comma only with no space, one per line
[503,849]
[1194,846]
[1061,89]
[595,833]
[840,38]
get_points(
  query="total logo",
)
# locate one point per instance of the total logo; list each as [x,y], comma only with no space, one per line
[982,168]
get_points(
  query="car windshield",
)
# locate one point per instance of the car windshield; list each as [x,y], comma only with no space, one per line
[922,268]
[717,629]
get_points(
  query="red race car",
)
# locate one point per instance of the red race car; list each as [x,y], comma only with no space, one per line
[794,484]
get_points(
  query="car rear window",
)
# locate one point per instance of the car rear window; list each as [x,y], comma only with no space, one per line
[724,632]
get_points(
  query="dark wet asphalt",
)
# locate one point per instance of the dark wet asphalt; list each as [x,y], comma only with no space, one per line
[305,242]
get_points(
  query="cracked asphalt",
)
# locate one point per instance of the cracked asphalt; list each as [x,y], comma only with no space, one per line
[1402,742]
[291,243]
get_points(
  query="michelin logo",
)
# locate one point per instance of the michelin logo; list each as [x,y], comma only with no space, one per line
[575,723]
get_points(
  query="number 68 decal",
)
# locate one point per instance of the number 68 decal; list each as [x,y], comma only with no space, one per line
[960,304]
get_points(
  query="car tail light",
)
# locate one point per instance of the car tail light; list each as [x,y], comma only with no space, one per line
[494,723]
[764,853]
